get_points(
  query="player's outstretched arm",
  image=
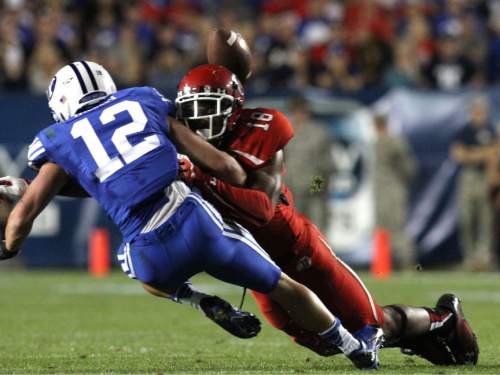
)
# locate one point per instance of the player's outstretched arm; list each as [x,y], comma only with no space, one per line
[218,163]
[39,193]
[255,202]
[267,179]
[14,188]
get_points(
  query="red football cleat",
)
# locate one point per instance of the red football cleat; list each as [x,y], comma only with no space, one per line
[461,341]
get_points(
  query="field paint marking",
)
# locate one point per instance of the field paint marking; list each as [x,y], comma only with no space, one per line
[134,288]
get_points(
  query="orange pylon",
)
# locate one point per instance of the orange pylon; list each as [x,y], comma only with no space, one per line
[381,266]
[99,250]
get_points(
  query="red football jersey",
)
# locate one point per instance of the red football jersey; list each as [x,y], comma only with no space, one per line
[256,136]
[291,239]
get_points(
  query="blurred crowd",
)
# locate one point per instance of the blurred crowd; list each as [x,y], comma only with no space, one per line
[339,46]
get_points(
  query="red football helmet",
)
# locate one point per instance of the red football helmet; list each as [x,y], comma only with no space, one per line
[207,96]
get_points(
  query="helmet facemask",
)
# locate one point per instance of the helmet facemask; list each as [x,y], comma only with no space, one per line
[206,113]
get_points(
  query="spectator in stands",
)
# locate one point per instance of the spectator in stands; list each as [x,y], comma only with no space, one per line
[124,58]
[330,65]
[493,57]
[449,18]
[340,75]
[12,54]
[405,70]
[145,32]
[49,52]
[343,46]
[475,47]
[369,17]
[394,171]
[166,71]
[309,163]
[471,149]
[280,55]
[449,69]
[416,34]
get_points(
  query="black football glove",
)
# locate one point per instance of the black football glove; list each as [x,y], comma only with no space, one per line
[6,254]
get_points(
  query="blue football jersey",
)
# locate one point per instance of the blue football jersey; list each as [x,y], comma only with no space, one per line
[119,152]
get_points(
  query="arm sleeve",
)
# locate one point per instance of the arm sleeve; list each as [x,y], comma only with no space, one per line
[249,205]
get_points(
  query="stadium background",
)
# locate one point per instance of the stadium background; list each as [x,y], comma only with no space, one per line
[350,59]
[346,57]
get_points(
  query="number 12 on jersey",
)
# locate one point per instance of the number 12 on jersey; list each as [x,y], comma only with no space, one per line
[107,166]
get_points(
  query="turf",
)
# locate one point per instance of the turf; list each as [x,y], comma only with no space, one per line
[65,322]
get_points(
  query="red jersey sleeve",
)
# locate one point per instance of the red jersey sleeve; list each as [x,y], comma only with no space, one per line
[260,133]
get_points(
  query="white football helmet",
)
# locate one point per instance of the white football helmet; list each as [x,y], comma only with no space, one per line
[77,86]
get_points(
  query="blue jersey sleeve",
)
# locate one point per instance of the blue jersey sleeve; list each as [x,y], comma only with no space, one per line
[37,154]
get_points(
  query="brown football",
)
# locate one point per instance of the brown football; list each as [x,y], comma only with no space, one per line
[229,49]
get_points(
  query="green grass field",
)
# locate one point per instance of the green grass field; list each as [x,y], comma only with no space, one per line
[62,322]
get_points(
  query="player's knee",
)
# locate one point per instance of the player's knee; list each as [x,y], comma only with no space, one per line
[285,285]
[288,289]
[392,321]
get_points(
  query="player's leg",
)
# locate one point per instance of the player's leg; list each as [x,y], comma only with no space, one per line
[239,323]
[315,265]
[162,261]
[440,335]
[403,326]
[302,304]
[235,257]
[339,288]
[280,319]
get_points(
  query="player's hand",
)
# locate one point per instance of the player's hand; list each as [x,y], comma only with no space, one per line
[12,187]
[188,172]
[6,254]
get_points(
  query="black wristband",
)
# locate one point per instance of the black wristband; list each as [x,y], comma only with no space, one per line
[6,254]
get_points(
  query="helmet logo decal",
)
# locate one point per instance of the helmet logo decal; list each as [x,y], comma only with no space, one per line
[187,89]
[52,86]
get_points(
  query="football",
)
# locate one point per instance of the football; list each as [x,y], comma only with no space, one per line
[229,49]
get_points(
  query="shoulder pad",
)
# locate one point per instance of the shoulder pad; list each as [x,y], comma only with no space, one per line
[261,132]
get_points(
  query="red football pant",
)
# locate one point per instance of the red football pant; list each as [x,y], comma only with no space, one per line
[338,287]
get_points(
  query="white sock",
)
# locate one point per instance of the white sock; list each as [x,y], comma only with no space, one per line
[188,296]
[341,338]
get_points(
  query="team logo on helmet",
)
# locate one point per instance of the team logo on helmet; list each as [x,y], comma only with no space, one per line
[51,88]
